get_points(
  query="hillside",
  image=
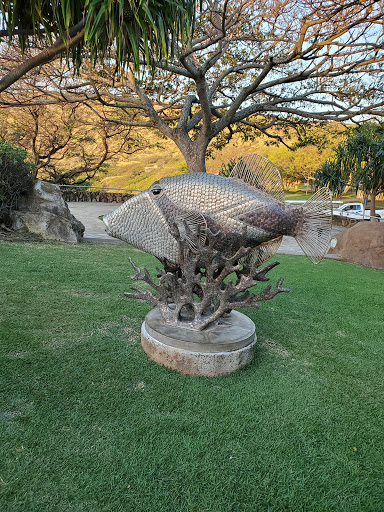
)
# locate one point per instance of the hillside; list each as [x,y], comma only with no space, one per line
[148,165]
[67,144]
[144,167]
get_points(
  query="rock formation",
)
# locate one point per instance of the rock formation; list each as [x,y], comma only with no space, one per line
[362,243]
[43,211]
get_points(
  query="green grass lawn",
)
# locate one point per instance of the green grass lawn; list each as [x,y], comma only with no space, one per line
[89,423]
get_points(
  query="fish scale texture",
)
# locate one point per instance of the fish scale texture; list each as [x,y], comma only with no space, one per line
[247,217]
[139,222]
[147,219]
[220,198]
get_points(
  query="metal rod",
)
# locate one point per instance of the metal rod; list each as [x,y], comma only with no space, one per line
[101,188]
[298,201]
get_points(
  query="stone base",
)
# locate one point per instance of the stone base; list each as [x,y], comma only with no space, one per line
[221,349]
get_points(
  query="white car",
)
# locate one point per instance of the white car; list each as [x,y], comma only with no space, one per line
[356,211]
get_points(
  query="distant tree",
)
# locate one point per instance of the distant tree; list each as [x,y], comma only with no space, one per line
[358,162]
[68,143]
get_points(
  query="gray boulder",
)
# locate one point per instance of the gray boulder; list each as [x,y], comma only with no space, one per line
[43,211]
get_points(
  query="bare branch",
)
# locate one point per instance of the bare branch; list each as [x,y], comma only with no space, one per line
[75,34]
[298,59]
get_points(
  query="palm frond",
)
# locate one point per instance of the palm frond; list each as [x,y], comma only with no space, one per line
[125,30]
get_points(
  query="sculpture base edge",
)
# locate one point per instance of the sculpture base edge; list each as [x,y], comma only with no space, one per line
[221,349]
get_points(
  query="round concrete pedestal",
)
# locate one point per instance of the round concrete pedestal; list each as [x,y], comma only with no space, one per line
[222,348]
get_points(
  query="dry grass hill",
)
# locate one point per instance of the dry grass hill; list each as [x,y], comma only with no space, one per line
[138,170]
[146,166]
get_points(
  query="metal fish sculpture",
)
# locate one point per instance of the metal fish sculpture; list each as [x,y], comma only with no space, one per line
[248,207]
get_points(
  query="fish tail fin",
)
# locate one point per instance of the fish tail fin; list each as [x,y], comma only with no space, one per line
[315,232]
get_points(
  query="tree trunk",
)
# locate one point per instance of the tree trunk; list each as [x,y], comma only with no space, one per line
[372,196]
[193,152]
[196,162]
[347,187]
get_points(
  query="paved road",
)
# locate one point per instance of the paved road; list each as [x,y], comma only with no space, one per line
[88,214]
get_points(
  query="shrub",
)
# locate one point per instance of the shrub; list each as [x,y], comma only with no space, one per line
[16,175]
[226,169]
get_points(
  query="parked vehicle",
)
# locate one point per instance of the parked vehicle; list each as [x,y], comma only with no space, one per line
[357,211]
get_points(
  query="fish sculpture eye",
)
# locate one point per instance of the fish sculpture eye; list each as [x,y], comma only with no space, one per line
[156,191]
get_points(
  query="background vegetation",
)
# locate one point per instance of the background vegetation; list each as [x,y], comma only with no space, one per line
[72,145]
[16,177]
[68,143]
[245,69]
[357,162]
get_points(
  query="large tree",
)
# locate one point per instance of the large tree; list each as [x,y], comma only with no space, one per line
[251,66]
[357,162]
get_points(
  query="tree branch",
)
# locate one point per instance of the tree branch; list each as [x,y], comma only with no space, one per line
[75,35]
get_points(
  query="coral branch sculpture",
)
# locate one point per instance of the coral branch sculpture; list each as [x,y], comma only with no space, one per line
[206,285]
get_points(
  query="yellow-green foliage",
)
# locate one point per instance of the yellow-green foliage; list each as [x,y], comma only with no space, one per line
[145,167]
[149,165]
[163,158]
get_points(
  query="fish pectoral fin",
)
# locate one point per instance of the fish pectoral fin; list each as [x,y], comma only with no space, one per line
[192,229]
[262,253]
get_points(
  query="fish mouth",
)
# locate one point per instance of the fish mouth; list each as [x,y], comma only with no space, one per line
[106,223]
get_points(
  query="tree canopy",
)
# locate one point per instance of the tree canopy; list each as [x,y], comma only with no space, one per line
[251,66]
[358,161]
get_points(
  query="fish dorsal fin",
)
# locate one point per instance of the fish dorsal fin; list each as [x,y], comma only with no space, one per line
[263,252]
[257,171]
[192,228]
